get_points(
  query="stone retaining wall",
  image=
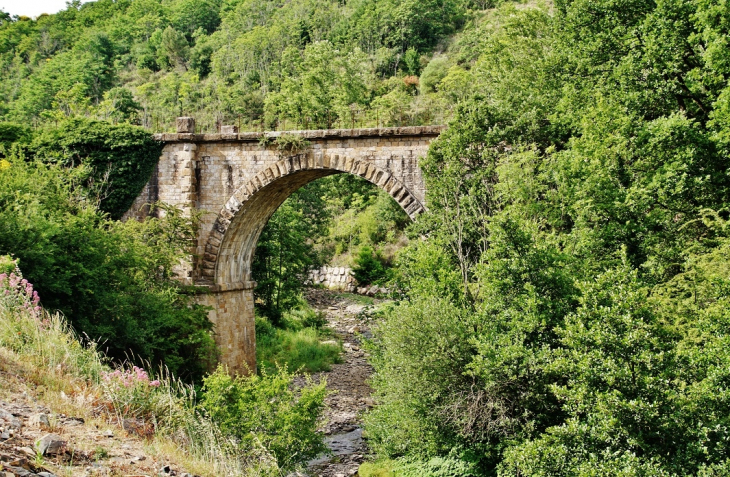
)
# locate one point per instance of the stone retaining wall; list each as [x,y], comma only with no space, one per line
[334,278]
[341,278]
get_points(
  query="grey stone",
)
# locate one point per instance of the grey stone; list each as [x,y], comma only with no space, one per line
[185,125]
[50,444]
[20,472]
[39,420]
[11,420]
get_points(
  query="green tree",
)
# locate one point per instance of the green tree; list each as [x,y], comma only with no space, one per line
[174,48]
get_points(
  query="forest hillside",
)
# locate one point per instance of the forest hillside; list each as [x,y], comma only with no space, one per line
[562,308]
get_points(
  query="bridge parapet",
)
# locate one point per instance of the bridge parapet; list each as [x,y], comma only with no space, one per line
[255,136]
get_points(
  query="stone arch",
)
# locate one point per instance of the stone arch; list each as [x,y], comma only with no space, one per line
[232,241]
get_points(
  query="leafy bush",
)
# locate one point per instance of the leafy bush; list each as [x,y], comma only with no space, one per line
[368,266]
[118,158]
[283,257]
[11,133]
[265,409]
[437,467]
[7,264]
[420,353]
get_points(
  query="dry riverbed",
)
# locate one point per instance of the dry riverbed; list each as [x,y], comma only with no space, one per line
[350,394]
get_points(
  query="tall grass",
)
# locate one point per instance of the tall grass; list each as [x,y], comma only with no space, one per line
[45,348]
[303,344]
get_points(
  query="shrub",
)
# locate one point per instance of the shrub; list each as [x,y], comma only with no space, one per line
[266,410]
[7,264]
[438,467]
[11,133]
[368,266]
[291,143]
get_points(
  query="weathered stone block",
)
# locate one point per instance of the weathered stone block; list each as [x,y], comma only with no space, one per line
[185,125]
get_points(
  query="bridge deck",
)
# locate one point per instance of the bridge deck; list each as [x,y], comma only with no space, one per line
[304,134]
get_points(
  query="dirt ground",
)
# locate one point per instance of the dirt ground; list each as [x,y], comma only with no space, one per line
[84,446]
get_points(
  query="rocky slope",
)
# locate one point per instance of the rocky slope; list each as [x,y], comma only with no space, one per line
[47,434]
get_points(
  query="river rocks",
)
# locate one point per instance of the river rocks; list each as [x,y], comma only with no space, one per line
[372,290]
[348,383]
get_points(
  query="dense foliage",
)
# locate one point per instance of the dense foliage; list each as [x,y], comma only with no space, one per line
[568,313]
[119,158]
[112,280]
[312,63]
[265,411]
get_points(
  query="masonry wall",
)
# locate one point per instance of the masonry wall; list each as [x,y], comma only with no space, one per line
[234,323]
[334,278]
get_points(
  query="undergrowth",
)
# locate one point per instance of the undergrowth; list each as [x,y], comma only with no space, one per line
[45,349]
[303,343]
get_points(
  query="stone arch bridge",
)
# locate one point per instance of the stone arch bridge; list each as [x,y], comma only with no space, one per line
[239,180]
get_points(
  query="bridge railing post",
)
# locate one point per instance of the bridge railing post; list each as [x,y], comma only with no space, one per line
[185,125]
